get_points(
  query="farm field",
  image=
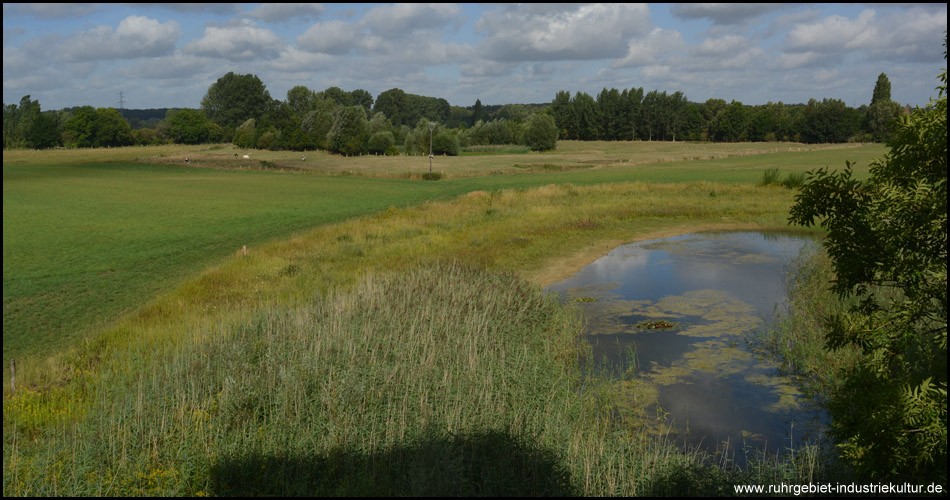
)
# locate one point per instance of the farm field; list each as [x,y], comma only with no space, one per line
[144,260]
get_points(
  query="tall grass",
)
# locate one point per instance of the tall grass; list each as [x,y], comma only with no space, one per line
[772,176]
[797,338]
[441,380]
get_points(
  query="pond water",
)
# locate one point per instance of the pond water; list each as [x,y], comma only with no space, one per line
[695,376]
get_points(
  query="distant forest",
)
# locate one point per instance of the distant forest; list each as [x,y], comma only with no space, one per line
[239,109]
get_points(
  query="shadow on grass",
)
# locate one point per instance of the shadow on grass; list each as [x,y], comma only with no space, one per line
[485,464]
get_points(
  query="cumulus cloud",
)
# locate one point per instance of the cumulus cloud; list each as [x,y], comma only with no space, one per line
[281,12]
[649,49]
[724,13]
[801,59]
[912,35]
[389,35]
[400,20]
[176,66]
[543,33]
[833,34]
[331,37]
[294,60]
[242,40]
[136,36]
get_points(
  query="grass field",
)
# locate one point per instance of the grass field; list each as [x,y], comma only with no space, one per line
[85,241]
[208,371]
[650,159]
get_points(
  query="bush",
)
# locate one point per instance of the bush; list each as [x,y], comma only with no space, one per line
[445,143]
[431,176]
[381,142]
[267,139]
[542,133]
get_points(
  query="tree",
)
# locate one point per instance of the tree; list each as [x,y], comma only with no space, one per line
[379,123]
[585,117]
[882,90]
[44,132]
[887,239]
[337,95]
[542,133]
[676,106]
[610,106]
[651,109]
[233,98]
[380,142]
[478,113]
[883,111]
[563,115]
[417,140]
[694,126]
[631,116]
[301,100]
[317,123]
[713,110]
[26,113]
[392,103]
[112,129]
[80,129]
[245,136]
[360,97]
[828,120]
[349,134]
[732,123]
[187,126]
[93,128]
[445,143]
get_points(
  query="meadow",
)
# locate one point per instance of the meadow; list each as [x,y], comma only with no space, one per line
[86,241]
[375,322]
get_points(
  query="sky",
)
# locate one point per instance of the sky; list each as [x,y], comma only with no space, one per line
[167,55]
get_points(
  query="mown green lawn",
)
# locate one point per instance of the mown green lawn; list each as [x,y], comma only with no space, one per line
[84,243]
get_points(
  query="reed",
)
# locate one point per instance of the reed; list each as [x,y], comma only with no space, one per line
[444,379]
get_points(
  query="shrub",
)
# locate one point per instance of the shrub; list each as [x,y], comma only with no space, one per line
[445,143]
[380,142]
[542,133]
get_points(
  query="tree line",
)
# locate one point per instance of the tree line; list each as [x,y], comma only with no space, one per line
[632,114]
[239,109]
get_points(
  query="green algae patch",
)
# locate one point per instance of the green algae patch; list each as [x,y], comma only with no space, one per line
[657,325]
[706,304]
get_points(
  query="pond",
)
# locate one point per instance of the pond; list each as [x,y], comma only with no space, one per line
[675,314]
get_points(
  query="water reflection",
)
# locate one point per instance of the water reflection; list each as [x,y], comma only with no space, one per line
[711,290]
